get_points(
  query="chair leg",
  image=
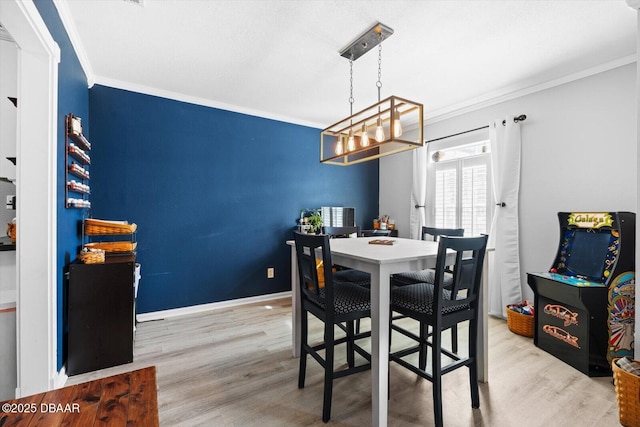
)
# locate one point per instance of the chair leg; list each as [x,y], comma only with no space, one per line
[350,349]
[303,352]
[473,368]
[357,326]
[422,356]
[436,366]
[454,339]
[389,362]
[328,371]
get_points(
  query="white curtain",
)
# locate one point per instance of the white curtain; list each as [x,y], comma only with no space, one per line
[504,281]
[418,193]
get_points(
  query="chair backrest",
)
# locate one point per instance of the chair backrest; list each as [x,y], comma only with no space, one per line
[313,250]
[339,232]
[466,270]
[434,233]
[373,233]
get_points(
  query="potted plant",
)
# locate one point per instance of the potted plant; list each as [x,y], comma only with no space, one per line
[315,221]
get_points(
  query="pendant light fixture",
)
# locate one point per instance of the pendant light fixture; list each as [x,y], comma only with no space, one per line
[386,118]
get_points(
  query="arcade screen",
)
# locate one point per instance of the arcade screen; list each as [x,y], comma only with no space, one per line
[588,253]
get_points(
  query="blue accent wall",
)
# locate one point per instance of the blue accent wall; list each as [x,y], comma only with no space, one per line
[215,194]
[73,97]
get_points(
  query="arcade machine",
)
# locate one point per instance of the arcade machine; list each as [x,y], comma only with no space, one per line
[585,303]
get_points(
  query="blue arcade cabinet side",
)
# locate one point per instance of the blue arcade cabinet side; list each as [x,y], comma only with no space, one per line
[585,303]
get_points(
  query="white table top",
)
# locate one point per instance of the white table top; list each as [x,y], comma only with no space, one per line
[401,250]
[403,255]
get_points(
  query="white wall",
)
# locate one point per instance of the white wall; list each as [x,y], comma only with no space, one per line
[578,154]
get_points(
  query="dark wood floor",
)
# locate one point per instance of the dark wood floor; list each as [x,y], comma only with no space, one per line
[127,399]
[233,367]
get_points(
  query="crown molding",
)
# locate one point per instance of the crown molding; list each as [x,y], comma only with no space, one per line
[148,90]
[526,88]
[74,37]
[486,100]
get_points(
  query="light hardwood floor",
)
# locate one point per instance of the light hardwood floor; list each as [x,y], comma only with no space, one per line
[233,367]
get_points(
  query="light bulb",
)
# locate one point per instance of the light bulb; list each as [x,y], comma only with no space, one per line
[339,148]
[379,131]
[351,142]
[397,127]
[364,138]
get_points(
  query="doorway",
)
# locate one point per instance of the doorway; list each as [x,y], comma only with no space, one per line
[36,302]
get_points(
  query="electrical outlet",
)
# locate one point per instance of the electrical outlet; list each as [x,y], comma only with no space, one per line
[11,202]
[271,273]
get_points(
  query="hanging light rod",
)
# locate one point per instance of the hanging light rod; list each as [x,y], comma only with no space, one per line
[366,41]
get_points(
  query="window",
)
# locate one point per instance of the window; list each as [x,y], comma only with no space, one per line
[459,183]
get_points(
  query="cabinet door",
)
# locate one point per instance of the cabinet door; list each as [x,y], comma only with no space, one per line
[100,307]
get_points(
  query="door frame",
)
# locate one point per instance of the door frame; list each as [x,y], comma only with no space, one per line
[36,292]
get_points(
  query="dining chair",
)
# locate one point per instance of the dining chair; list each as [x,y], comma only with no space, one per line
[335,304]
[428,275]
[343,274]
[436,306]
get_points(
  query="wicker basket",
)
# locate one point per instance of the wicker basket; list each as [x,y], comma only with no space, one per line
[91,256]
[98,227]
[628,394]
[11,231]
[519,323]
[113,247]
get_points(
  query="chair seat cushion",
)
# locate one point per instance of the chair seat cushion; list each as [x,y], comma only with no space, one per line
[357,277]
[419,298]
[420,276]
[349,298]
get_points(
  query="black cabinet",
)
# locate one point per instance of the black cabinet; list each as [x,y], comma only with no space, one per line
[571,321]
[100,306]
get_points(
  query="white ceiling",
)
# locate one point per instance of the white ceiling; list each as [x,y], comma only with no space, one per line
[279,58]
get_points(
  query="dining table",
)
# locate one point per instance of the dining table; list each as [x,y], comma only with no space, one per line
[381,260]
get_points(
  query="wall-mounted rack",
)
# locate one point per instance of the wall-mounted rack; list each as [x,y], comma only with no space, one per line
[77,160]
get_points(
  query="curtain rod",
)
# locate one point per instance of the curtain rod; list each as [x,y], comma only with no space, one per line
[520,118]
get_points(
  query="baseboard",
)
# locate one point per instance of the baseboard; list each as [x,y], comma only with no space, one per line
[60,378]
[201,308]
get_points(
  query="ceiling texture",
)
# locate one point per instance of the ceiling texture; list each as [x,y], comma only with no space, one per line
[280,58]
